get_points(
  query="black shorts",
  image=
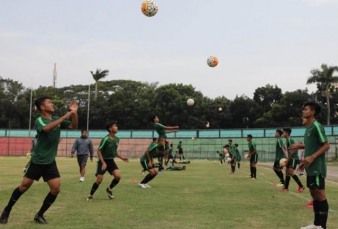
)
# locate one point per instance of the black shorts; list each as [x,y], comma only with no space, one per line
[170,157]
[292,163]
[82,159]
[315,182]
[254,159]
[111,166]
[180,151]
[277,165]
[145,165]
[47,172]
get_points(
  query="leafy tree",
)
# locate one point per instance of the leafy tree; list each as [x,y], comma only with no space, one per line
[324,79]
[97,76]
[266,96]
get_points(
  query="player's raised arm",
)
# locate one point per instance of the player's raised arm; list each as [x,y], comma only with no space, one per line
[73,106]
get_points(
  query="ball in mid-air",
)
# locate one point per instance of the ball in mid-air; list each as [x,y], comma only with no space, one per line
[282,162]
[28,155]
[149,8]
[212,61]
[207,125]
[190,102]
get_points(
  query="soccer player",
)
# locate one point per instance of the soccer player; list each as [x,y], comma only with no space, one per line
[221,157]
[315,145]
[42,163]
[232,153]
[170,155]
[82,145]
[238,156]
[177,168]
[106,153]
[147,162]
[280,153]
[253,155]
[180,151]
[292,162]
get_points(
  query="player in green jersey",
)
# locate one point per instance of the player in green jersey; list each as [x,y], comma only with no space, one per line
[147,161]
[238,156]
[291,163]
[106,153]
[221,157]
[42,163]
[280,153]
[315,145]
[253,155]
[232,153]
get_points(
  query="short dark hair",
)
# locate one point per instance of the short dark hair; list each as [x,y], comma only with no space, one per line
[287,130]
[230,140]
[279,131]
[36,136]
[40,101]
[236,145]
[249,136]
[180,142]
[154,139]
[313,106]
[109,124]
[83,130]
[152,117]
[171,144]
[226,146]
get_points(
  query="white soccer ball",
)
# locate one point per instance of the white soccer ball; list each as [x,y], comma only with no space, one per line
[212,61]
[282,162]
[207,125]
[149,8]
[246,156]
[220,109]
[228,159]
[190,102]
[227,155]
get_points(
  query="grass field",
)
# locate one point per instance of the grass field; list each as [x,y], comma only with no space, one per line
[203,196]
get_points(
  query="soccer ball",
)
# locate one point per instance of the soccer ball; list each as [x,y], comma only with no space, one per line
[149,8]
[212,61]
[246,156]
[220,109]
[228,159]
[28,155]
[207,125]
[227,155]
[190,102]
[282,162]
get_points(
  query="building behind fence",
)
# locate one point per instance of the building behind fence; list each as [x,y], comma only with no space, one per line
[197,144]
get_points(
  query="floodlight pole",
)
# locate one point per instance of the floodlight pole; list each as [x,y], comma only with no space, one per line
[30,113]
[88,107]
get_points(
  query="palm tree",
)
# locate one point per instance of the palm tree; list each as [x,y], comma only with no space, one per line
[324,79]
[97,76]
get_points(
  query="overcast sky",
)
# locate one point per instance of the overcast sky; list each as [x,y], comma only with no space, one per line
[258,42]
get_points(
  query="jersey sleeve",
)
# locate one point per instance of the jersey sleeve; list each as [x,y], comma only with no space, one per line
[102,144]
[159,125]
[321,133]
[39,124]
[280,143]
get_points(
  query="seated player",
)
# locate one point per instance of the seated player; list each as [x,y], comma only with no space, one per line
[147,162]
[176,168]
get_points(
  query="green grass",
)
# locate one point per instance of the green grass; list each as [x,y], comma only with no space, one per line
[203,196]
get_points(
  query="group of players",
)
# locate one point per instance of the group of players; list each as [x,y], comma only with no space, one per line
[42,163]
[231,154]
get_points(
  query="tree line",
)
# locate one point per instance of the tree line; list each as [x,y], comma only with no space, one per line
[131,103]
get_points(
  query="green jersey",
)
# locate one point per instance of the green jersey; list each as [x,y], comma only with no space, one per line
[108,147]
[237,154]
[160,130]
[252,147]
[170,151]
[46,147]
[313,140]
[232,150]
[289,142]
[153,150]
[221,154]
[279,149]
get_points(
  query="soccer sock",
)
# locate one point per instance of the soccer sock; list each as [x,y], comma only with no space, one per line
[239,165]
[251,171]
[221,161]
[295,177]
[281,177]
[316,212]
[287,182]
[183,157]
[147,179]
[49,200]
[14,198]
[233,168]
[323,207]
[113,183]
[254,171]
[94,187]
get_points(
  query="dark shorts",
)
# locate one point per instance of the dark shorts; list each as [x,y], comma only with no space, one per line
[277,165]
[145,165]
[111,166]
[254,159]
[180,151]
[315,182]
[47,172]
[292,163]
[82,159]
[170,157]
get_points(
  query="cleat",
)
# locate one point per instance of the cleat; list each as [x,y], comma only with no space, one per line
[312,227]
[4,217]
[300,189]
[39,219]
[309,204]
[254,178]
[90,198]
[147,186]
[284,190]
[110,193]
[142,186]
[280,184]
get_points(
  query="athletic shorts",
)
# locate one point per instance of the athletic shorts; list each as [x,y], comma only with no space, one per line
[254,159]
[47,172]
[111,166]
[145,166]
[293,163]
[180,151]
[170,157]
[315,182]
[277,165]
[82,159]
